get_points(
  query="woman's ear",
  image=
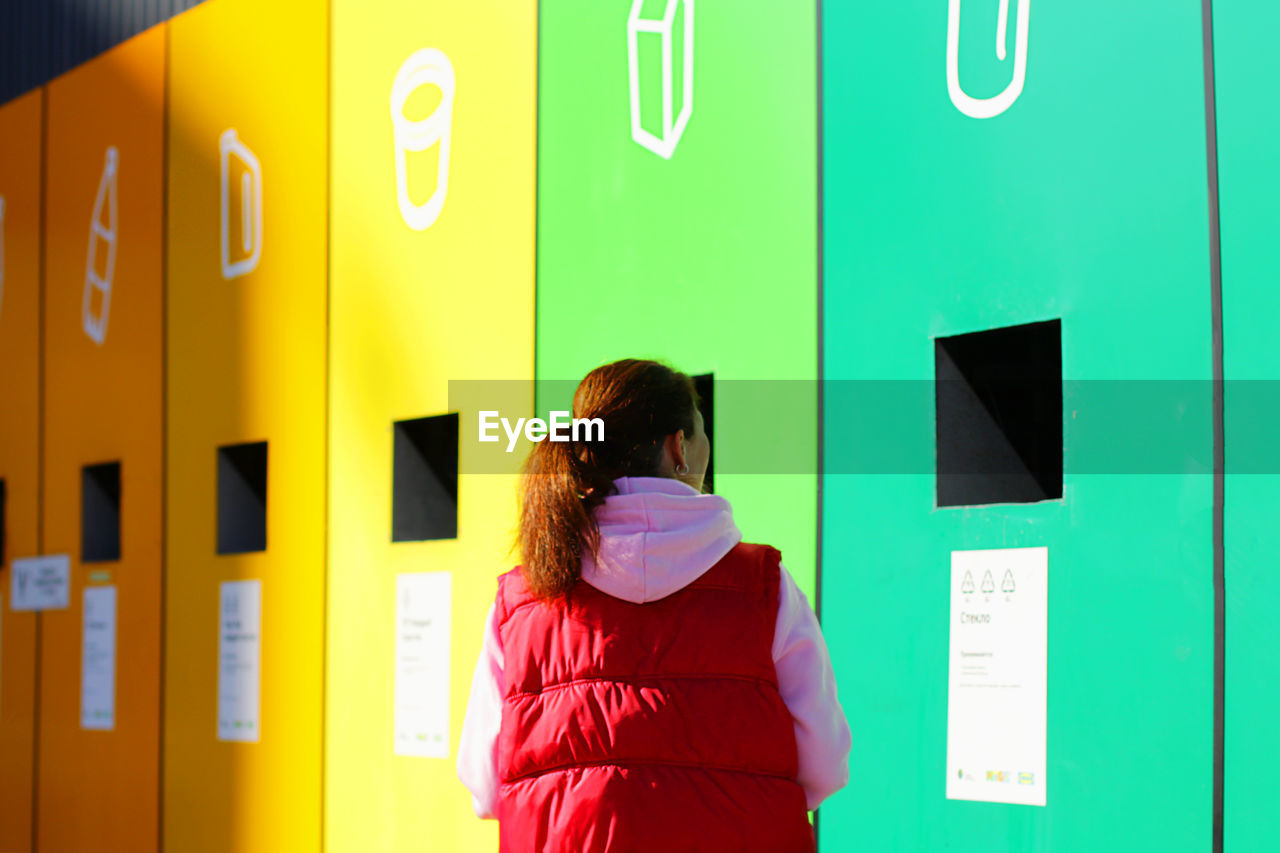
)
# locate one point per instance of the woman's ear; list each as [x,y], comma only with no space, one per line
[675,449]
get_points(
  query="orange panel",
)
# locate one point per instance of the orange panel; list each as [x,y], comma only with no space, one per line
[19,450]
[99,789]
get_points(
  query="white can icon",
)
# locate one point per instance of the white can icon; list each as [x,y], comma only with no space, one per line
[100,266]
[241,234]
[670,125]
[993,106]
[427,67]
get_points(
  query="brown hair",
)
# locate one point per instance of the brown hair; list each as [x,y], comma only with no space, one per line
[641,403]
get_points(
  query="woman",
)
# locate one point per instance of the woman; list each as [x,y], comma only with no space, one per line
[648,682]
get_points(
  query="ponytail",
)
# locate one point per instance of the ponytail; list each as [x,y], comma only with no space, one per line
[640,403]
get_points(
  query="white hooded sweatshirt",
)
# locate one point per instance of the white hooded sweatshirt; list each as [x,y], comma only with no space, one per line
[658,535]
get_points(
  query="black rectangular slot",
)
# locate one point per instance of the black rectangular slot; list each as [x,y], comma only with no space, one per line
[4,522]
[100,513]
[705,385]
[424,487]
[242,498]
[999,415]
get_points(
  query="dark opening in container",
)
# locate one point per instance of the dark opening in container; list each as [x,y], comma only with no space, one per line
[424,491]
[242,498]
[4,523]
[999,415]
[100,513]
[705,385]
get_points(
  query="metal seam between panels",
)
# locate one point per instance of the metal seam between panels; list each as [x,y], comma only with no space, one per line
[1219,456]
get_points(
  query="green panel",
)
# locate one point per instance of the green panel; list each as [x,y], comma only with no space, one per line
[1085,200]
[1246,72]
[706,260]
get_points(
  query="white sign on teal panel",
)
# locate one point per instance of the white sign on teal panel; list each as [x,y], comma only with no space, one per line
[997,687]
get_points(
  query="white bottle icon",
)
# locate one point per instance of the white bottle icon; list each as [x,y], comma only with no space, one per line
[672,128]
[427,67]
[993,106]
[102,247]
[242,249]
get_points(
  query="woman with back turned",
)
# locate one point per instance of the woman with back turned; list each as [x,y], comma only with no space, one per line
[648,682]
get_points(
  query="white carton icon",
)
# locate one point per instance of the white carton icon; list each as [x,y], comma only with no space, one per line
[239,160]
[427,67]
[672,128]
[102,239]
[993,106]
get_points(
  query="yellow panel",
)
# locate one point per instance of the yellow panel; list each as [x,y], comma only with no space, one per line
[99,790]
[19,450]
[419,297]
[246,363]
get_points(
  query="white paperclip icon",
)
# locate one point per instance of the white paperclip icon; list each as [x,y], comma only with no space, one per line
[102,238]
[249,246]
[993,106]
[428,66]
[672,126]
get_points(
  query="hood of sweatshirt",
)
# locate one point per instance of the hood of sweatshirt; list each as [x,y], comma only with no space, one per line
[657,535]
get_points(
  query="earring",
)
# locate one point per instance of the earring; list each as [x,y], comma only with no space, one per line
[682,469]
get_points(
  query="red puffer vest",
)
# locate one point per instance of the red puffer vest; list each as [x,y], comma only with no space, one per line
[655,727]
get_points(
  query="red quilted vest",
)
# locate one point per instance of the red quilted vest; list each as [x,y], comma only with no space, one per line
[653,727]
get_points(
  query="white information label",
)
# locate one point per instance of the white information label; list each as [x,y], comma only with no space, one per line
[41,583]
[239,659]
[423,602]
[98,659]
[997,683]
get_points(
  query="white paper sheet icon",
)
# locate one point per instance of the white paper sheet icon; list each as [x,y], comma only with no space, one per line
[241,207]
[100,266]
[641,79]
[427,67]
[993,106]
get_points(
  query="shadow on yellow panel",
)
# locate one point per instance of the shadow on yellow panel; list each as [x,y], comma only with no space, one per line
[246,427]
[431,265]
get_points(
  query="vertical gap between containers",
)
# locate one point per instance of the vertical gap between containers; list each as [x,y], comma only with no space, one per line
[164,417]
[1219,457]
[819,474]
[328,297]
[40,464]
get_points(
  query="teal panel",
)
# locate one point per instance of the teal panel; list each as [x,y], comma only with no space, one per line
[707,258]
[1247,72]
[1085,200]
